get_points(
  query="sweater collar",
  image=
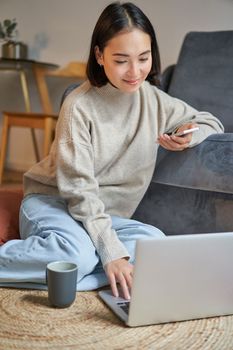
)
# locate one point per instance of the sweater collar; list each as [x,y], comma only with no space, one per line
[111,91]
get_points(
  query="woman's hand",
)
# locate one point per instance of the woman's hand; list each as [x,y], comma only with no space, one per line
[177,143]
[120,271]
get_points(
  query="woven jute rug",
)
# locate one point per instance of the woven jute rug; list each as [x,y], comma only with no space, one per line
[27,321]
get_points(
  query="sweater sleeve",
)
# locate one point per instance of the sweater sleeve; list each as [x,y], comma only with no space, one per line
[175,113]
[77,184]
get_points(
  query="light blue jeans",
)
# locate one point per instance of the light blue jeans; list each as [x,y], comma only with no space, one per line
[49,233]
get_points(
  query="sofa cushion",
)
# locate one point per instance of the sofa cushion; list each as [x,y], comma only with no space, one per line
[204,73]
[177,210]
[10,201]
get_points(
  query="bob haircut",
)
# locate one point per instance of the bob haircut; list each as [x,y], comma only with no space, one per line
[115,18]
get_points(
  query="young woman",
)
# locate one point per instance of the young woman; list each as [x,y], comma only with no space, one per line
[79,200]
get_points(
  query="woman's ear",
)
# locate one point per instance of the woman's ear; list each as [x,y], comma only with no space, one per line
[98,56]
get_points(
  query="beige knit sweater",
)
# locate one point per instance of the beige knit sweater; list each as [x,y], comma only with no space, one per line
[104,154]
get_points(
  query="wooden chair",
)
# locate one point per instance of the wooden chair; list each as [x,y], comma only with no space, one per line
[51,86]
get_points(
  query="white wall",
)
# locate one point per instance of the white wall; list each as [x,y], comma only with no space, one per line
[59,31]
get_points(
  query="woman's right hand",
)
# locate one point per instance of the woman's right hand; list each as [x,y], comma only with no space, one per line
[120,271]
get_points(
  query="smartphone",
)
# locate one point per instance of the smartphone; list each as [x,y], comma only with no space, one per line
[187,131]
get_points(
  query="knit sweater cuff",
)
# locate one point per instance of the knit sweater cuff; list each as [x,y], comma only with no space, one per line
[113,251]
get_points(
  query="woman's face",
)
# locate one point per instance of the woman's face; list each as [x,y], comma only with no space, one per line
[127,59]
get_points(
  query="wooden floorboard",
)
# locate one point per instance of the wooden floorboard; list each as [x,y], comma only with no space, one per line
[12,179]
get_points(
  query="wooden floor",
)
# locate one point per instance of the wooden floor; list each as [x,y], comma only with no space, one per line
[12,179]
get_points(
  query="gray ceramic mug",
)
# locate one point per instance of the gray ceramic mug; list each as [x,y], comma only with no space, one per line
[61,280]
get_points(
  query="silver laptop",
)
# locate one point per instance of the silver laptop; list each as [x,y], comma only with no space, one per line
[178,278]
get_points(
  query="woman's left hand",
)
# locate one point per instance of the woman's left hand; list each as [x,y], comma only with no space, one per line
[177,143]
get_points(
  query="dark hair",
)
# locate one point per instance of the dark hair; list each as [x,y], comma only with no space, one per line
[117,17]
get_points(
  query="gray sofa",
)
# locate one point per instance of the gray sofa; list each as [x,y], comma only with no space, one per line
[192,191]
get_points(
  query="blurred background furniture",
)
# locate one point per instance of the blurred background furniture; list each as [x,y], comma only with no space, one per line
[53,83]
[10,201]
[18,93]
[192,191]
[50,84]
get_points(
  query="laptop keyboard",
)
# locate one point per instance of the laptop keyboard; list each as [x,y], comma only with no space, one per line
[124,306]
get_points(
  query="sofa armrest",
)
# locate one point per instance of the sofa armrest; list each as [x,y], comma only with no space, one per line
[208,166]
[191,191]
